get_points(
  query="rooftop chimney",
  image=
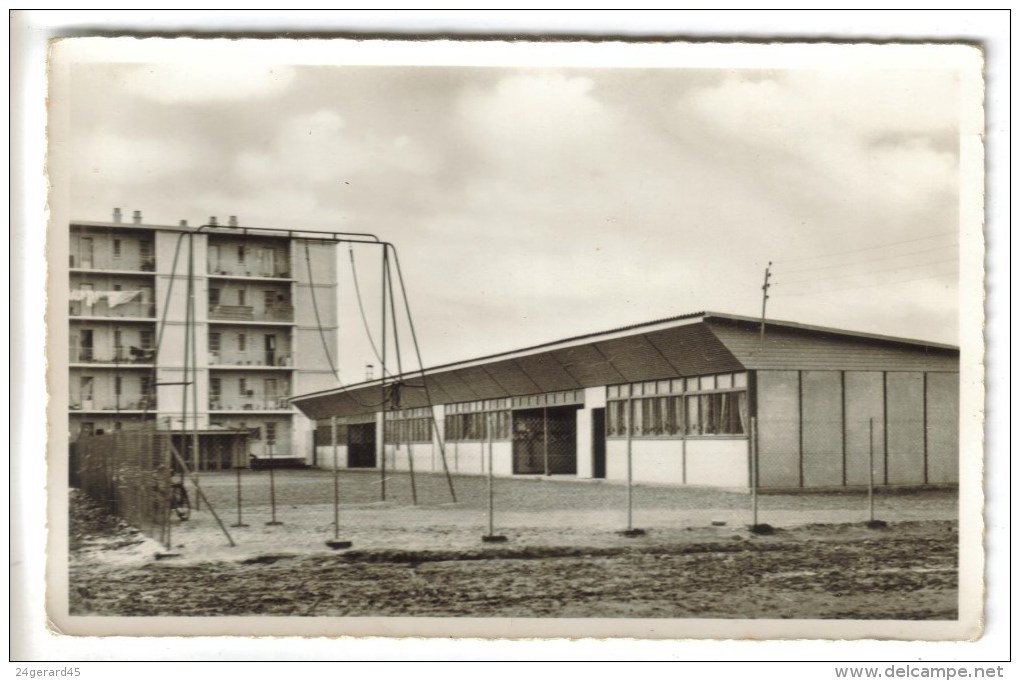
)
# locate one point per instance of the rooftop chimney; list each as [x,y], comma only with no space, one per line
[116,214]
[137,217]
[212,220]
[232,221]
[184,223]
[368,372]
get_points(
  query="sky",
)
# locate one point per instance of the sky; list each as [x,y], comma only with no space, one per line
[530,203]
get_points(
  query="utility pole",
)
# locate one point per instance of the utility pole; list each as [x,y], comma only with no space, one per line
[764,300]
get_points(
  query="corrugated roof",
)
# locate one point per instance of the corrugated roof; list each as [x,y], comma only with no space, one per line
[686,345]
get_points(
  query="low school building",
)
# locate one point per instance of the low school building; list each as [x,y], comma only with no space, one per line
[691,400]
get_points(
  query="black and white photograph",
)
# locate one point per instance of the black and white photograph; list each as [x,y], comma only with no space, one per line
[511,339]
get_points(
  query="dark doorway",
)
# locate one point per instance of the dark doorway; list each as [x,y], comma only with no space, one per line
[598,442]
[361,445]
[86,349]
[270,348]
[545,441]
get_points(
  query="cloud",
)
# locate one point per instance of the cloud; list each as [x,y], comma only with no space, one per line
[112,159]
[874,137]
[210,81]
[319,147]
[547,121]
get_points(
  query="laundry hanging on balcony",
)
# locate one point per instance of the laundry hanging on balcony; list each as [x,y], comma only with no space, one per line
[120,297]
[114,298]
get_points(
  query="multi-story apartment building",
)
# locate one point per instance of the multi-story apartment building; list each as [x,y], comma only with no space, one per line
[252,337]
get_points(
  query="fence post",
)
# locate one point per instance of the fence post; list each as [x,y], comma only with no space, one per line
[240,520]
[756,527]
[872,523]
[754,471]
[631,531]
[272,487]
[335,542]
[491,537]
[336,479]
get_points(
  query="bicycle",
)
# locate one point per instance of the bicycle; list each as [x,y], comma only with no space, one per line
[179,501]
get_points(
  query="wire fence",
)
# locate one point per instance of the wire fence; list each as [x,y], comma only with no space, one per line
[129,473]
[269,509]
[139,474]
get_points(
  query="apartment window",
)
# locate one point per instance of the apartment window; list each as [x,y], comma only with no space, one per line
[117,342]
[241,297]
[87,428]
[117,385]
[145,250]
[116,287]
[270,433]
[215,387]
[269,298]
[146,386]
[116,248]
[117,425]
[214,296]
[146,339]
[214,341]
[242,342]
[240,255]
[86,384]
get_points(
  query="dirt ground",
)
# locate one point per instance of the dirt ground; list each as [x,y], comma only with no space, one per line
[564,556]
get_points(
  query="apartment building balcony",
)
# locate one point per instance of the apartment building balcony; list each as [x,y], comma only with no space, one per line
[276,275]
[111,265]
[110,405]
[255,360]
[130,355]
[247,313]
[97,306]
[250,403]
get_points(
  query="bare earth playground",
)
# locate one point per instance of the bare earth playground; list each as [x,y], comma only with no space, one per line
[564,555]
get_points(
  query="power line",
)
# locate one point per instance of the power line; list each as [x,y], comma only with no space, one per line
[864,274]
[868,248]
[852,288]
[871,260]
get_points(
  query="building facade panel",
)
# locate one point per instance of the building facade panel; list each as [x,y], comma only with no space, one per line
[779,414]
[905,428]
[822,428]
[943,422]
[865,426]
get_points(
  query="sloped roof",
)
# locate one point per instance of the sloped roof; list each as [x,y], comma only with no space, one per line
[687,345]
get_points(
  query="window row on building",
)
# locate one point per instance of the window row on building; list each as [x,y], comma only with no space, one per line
[718,413]
[715,404]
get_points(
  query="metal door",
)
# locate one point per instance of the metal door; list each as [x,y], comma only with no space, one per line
[598,442]
[545,441]
[361,445]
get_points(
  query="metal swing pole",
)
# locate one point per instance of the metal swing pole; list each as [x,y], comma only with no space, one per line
[396,387]
[382,379]
[192,330]
[440,437]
